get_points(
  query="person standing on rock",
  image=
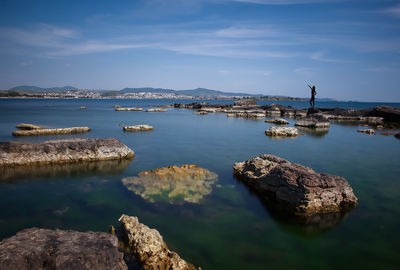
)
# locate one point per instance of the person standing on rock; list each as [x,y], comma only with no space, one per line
[313,93]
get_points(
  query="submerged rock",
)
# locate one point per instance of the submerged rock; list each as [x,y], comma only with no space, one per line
[366,131]
[25,126]
[57,249]
[148,246]
[173,184]
[53,131]
[138,128]
[397,135]
[278,121]
[62,151]
[282,132]
[294,188]
[128,109]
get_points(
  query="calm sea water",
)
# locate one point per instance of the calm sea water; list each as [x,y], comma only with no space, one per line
[230,228]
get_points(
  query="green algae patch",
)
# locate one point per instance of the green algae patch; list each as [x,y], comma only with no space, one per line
[172,184]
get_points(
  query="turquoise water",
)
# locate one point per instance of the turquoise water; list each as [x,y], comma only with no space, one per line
[230,228]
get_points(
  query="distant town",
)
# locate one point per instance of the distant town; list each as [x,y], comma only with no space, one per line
[69,92]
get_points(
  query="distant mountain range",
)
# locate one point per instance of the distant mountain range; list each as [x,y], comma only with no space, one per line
[192,92]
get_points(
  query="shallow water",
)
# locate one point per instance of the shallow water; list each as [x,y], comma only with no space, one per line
[230,228]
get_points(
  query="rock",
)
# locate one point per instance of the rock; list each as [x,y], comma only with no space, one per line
[138,128]
[54,131]
[386,133]
[25,126]
[389,113]
[82,108]
[201,113]
[300,113]
[57,249]
[282,131]
[247,114]
[155,110]
[117,106]
[315,121]
[148,246]
[294,188]
[366,131]
[62,151]
[128,109]
[397,135]
[278,121]
[173,184]
[379,126]
[246,102]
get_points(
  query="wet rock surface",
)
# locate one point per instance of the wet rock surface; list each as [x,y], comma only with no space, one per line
[137,128]
[57,249]
[62,151]
[51,131]
[148,246]
[294,188]
[173,184]
[366,131]
[132,109]
[277,121]
[315,121]
[282,132]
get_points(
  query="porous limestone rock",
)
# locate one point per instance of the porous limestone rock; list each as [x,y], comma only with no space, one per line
[58,249]
[315,121]
[367,131]
[25,126]
[282,132]
[148,246]
[156,110]
[62,151]
[138,128]
[277,121]
[188,183]
[295,188]
[128,109]
[51,131]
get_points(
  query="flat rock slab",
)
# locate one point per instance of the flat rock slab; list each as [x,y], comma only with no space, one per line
[25,126]
[148,246]
[138,128]
[313,122]
[129,109]
[277,121]
[57,249]
[173,184]
[52,131]
[282,132]
[366,131]
[295,188]
[155,110]
[62,151]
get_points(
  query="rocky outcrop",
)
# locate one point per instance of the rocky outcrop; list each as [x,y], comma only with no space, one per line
[397,135]
[173,184]
[315,121]
[247,114]
[53,131]
[62,151]
[246,102]
[282,132]
[148,246]
[128,109]
[277,121]
[294,188]
[57,249]
[25,126]
[366,131]
[137,128]
[156,110]
[201,113]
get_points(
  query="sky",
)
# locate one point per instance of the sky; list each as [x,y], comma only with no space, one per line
[348,49]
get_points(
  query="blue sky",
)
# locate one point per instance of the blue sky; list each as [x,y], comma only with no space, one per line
[350,49]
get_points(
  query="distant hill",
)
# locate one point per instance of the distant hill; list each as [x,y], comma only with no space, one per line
[191,92]
[39,89]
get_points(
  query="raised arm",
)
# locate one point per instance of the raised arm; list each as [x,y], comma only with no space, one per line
[309,86]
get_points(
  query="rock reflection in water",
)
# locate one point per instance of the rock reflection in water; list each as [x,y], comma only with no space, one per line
[315,132]
[11,173]
[173,184]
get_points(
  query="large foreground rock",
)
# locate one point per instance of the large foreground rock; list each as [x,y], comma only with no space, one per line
[57,249]
[295,188]
[316,121]
[173,184]
[282,132]
[148,246]
[62,151]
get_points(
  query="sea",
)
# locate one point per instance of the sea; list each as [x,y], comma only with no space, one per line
[230,228]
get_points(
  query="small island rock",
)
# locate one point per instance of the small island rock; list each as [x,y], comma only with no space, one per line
[278,121]
[282,132]
[367,131]
[138,128]
[294,188]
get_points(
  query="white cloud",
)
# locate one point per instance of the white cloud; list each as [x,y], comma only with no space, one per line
[394,11]
[320,56]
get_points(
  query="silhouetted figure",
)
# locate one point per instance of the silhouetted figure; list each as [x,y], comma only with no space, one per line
[313,93]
